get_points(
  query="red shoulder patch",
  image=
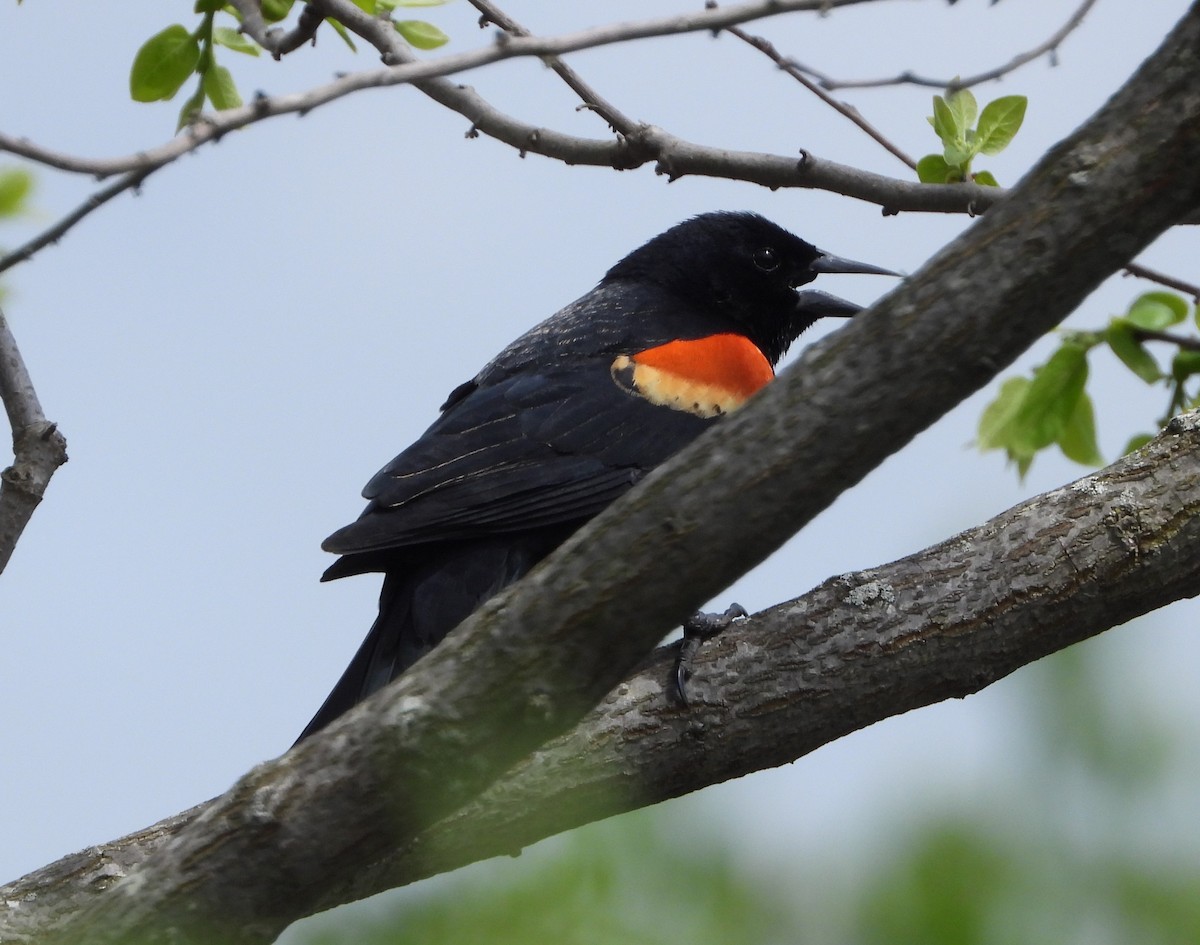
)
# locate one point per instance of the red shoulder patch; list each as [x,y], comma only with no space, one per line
[705,376]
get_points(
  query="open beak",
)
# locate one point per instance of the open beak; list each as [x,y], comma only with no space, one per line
[827,262]
[820,304]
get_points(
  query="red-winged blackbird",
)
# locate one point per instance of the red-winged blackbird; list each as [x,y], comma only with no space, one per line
[568,417]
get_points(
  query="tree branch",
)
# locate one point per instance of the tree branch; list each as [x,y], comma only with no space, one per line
[1171,282]
[1049,47]
[842,108]
[635,146]
[617,120]
[531,663]
[276,41]
[939,624]
[38,448]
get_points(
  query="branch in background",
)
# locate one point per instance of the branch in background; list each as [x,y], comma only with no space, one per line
[38,448]
[1171,282]
[1183,342]
[939,624]
[273,39]
[1049,47]
[25,252]
[490,13]
[796,72]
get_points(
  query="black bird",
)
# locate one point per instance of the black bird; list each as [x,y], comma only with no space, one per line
[566,419]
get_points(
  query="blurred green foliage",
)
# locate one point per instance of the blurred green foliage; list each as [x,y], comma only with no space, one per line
[1052,857]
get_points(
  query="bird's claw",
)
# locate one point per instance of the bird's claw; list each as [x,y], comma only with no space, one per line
[696,629]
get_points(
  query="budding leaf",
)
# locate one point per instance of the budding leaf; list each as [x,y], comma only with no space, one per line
[933,169]
[1078,437]
[421,34]
[163,64]
[219,87]
[964,108]
[1132,353]
[1157,310]
[1050,399]
[999,122]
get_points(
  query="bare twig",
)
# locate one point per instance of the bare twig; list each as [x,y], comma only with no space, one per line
[38,448]
[1050,47]
[273,39]
[1171,282]
[130,181]
[618,121]
[791,68]
[1183,342]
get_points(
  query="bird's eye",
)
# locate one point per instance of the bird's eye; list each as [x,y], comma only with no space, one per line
[766,259]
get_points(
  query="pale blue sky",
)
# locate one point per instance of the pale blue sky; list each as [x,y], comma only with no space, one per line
[234,352]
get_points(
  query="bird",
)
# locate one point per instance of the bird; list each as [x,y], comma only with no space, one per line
[566,419]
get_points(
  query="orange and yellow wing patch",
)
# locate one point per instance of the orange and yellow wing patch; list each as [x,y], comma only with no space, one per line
[707,376]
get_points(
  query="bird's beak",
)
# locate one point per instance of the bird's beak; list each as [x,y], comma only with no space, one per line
[820,304]
[827,262]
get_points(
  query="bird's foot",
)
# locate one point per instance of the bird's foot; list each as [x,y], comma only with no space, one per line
[696,629]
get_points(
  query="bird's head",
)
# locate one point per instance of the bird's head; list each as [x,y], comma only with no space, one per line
[741,267]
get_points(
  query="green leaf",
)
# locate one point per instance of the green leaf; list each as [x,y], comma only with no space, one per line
[208,6]
[997,417]
[232,39]
[15,186]
[1157,310]
[1132,353]
[275,10]
[933,169]
[1050,399]
[191,108]
[958,155]
[943,121]
[1136,442]
[342,32]
[1078,437]
[964,108]
[985,178]
[1185,364]
[220,89]
[163,64]
[421,34]
[999,122]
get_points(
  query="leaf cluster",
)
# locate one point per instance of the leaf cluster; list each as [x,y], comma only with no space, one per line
[169,58]
[1052,407]
[954,122]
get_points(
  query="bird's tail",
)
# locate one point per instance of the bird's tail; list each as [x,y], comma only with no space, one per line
[419,604]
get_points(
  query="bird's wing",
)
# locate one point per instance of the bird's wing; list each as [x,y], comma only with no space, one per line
[535,449]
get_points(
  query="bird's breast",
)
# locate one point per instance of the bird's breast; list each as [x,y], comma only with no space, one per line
[707,377]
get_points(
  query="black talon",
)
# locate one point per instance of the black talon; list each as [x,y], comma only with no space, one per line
[696,629]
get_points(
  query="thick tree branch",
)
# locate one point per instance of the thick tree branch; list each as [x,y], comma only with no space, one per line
[1047,48]
[939,624]
[38,448]
[532,662]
